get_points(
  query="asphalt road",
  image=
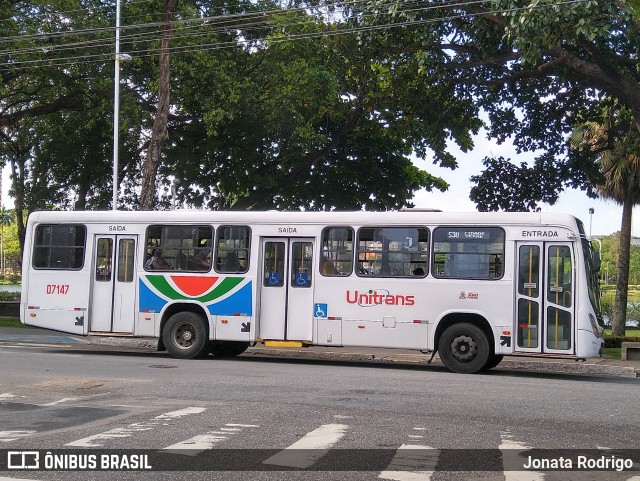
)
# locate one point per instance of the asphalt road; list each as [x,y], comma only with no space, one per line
[241,414]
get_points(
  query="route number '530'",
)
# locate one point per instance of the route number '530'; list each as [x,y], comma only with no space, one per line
[57,288]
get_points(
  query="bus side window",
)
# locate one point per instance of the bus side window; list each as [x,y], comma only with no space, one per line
[337,251]
[232,249]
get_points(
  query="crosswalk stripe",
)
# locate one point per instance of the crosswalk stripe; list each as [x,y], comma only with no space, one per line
[515,448]
[2,478]
[412,462]
[196,444]
[202,442]
[309,449]
[128,431]
[7,436]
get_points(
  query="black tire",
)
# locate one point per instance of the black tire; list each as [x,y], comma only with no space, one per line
[464,348]
[185,336]
[223,349]
[493,361]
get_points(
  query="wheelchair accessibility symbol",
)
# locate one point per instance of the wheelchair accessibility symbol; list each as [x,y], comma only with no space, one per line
[320,310]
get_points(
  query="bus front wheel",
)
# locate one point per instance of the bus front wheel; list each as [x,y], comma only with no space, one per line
[464,348]
[223,349]
[185,336]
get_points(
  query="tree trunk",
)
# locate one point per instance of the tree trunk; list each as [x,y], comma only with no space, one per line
[159,132]
[17,175]
[622,287]
[83,186]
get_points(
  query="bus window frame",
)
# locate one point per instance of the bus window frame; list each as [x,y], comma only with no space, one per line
[322,252]
[148,250]
[214,254]
[429,242]
[34,246]
[483,227]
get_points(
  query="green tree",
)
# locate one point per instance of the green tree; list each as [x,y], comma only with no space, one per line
[6,218]
[615,143]
[319,123]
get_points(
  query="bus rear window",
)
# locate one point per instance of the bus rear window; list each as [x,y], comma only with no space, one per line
[59,246]
[468,252]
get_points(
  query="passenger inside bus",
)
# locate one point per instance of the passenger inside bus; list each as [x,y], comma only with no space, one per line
[157,262]
[104,270]
[231,263]
[418,271]
[199,261]
[328,268]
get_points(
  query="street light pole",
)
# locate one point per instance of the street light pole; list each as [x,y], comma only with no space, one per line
[116,109]
[591,211]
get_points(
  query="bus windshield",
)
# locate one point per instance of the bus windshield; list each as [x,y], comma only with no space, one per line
[592,273]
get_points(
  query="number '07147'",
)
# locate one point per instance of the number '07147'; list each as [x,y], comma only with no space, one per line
[57,288]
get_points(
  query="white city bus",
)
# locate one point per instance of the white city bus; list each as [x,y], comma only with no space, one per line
[472,287]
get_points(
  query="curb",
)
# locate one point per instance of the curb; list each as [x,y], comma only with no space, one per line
[131,343]
[508,363]
[573,367]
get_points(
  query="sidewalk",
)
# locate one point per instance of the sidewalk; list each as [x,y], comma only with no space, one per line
[597,366]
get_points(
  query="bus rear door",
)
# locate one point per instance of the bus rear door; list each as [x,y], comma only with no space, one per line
[545,304]
[286,292]
[113,292]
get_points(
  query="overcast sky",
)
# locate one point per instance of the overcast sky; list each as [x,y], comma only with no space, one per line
[605,220]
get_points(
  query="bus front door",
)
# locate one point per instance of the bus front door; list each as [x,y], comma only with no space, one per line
[113,292]
[286,292]
[545,305]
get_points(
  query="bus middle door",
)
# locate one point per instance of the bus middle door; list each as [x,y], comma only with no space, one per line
[286,292]
[113,293]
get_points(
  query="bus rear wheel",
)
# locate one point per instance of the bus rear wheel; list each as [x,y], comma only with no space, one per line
[185,336]
[464,348]
[223,349]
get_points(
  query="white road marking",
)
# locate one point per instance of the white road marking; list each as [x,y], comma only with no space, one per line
[6,436]
[180,413]
[17,479]
[63,400]
[202,442]
[515,448]
[412,462]
[6,395]
[196,444]
[309,449]
[414,436]
[128,431]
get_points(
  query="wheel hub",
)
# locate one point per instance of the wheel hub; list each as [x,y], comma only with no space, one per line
[464,348]
[184,336]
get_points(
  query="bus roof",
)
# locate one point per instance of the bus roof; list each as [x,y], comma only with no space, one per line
[308,217]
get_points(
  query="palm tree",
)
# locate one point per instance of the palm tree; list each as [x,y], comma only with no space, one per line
[616,146]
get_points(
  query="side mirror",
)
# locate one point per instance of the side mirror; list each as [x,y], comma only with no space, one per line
[597,262]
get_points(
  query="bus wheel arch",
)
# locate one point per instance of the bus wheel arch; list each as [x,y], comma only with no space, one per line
[184,331]
[465,342]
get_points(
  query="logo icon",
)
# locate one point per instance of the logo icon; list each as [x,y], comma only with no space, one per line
[23,460]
